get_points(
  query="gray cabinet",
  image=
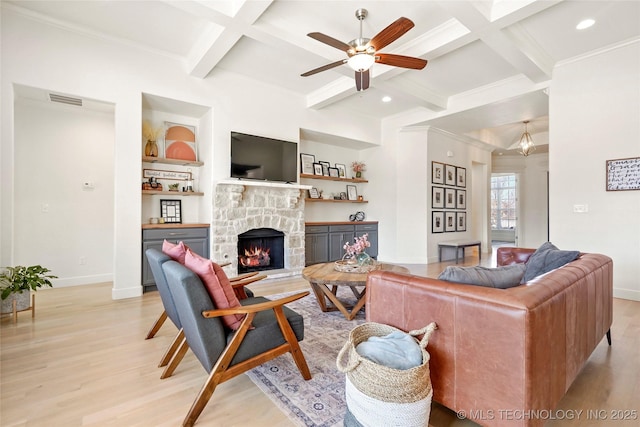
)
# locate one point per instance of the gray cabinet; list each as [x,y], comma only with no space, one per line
[324,242]
[196,238]
[316,244]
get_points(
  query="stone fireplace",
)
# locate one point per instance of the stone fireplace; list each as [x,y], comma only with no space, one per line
[239,209]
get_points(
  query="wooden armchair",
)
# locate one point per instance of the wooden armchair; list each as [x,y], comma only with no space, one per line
[267,331]
[238,282]
[156,258]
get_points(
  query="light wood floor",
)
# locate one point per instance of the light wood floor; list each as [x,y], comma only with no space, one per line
[83,362]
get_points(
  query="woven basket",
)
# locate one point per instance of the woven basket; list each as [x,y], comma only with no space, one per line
[381,382]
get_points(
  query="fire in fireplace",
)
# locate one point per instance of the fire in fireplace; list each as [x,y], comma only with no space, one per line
[255,257]
[260,249]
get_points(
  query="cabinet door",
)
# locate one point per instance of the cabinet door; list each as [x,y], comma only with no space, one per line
[336,244]
[147,275]
[372,231]
[199,246]
[316,248]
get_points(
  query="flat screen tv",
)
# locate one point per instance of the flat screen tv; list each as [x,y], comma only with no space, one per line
[267,159]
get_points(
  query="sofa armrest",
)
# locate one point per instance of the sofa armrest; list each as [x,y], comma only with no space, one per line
[511,255]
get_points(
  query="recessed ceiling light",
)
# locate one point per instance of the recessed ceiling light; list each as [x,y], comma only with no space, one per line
[386,99]
[584,24]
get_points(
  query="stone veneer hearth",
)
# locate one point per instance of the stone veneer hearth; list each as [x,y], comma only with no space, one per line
[238,208]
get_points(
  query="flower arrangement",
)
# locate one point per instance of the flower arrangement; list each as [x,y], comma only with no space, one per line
[149,133]
[360,244]
[358,167]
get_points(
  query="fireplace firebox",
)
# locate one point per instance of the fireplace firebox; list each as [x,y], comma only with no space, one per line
[260,249]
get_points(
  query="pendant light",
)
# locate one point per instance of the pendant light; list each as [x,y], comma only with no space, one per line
[525,146]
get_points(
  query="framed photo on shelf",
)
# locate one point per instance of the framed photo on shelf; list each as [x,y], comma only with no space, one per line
[461,221]
[352,192]
[325,168]
[437,173]
[342,170]
[449,221]
[317,169]
[437,222]
[333,172]
[437,197]
[343,195]
[449,174]
[180,142]
[449,198]
[461,199]
[314,193]
[171,211]
[461,177]
[306,163]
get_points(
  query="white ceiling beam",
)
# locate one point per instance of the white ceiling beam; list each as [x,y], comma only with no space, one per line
[225,32]
[494,37]
[418,94]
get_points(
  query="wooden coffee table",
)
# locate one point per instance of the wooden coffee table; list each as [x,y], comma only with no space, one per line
[325,280]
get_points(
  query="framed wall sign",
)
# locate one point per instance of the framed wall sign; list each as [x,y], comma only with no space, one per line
[461,221]
[449,198]
[314,193]
[437,222]
[623,174]
[437,173]
[449,174]
[164,174]
[437,197]
[171,211]
[449,221]
[461,199]
[461,177]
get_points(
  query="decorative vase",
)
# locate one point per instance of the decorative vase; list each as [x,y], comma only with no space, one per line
[151,149]
[363,258]
[358,174]
[22,299]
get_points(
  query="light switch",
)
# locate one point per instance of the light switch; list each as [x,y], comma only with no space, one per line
[580,208]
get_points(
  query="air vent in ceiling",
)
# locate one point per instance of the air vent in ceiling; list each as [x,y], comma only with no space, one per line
[65,99]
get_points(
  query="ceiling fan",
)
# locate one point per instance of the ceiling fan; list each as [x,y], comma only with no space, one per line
[363,52]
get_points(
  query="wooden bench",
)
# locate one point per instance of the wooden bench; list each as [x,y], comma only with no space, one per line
[459,244]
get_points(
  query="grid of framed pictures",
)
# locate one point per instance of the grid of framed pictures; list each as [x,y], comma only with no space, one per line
[448,198]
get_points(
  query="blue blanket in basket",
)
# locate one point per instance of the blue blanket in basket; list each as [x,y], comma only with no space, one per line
[397,350]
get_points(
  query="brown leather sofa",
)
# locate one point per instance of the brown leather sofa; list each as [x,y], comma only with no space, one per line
[503,357]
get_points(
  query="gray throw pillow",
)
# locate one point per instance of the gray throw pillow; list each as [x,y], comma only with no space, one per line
[502,277]
[546,258]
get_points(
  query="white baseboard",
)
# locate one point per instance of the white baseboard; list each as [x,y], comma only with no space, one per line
[82,280]
[133,292]
[629,294]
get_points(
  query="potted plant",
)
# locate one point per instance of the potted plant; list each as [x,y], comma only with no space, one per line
[16,283]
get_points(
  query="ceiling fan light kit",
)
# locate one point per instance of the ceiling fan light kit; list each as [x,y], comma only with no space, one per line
[363,52]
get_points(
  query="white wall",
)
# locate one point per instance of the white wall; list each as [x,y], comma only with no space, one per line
[595,116]
[43,56]
[60,224]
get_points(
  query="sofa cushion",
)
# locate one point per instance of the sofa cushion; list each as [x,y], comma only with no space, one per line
[221,294]
[546,258]
[176,251]
[503,277]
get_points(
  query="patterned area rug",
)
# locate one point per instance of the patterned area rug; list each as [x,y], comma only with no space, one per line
[319,402]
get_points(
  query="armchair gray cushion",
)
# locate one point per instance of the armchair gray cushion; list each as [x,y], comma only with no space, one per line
[156,259]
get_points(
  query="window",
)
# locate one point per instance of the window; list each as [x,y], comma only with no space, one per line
[503,201]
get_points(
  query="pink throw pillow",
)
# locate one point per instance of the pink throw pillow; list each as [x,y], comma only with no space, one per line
[177,251]
[221,293]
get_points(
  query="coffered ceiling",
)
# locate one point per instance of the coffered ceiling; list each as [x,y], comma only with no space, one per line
[489,61]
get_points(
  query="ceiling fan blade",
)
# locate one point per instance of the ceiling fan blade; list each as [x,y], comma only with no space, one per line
[330,41]
[362,80]
[401,61]
[391,33]
[324,68]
